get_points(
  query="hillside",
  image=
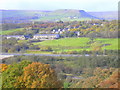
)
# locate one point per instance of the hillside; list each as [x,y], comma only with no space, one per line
[18,16]
[28,15]
[71,14]
[109,15]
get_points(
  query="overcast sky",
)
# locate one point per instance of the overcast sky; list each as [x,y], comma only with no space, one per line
[88,5]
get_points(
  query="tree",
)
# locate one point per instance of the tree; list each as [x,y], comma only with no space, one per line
[46,48]
[99,75]
[110,82]
[38,75]
[3,67]
[10,75]
[96,46]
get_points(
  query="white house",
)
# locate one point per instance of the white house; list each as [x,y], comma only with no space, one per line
[46,36]
[18,37]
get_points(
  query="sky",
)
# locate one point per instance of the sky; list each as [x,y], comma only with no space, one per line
[88,5]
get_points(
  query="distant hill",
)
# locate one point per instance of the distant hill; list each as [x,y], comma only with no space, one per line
[20,15]
[57,15]
[70,14]
[108,15]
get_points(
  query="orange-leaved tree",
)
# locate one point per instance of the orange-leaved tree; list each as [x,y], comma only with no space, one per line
[38,75]
[97,80]
[3,67]
[111,82]
[12,72]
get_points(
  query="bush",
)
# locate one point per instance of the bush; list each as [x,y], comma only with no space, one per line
[72,52]
[46,48]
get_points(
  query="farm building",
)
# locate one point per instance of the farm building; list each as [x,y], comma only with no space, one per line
[46,36]
[18,37]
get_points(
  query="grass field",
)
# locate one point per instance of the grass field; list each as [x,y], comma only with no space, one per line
[57,18]
[113,43]
[78,44]
[65,42]
[37,52]
[23,41]
[7,32]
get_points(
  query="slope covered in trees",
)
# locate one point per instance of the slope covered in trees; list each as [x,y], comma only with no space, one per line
[29,75]
[102,78]
[70,72]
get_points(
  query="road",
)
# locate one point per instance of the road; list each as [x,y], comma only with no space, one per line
[54,55]
[5,56]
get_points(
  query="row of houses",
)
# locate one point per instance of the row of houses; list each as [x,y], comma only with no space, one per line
[46,36]
[18,37]
[55,31]
[35,37]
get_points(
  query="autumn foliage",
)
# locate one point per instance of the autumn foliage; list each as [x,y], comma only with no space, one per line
[96,46]
[12,72]
[38,75]
[111,82]
[102,78]
[3,67]
[27,74]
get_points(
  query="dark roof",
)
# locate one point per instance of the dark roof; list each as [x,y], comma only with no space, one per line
[13,35]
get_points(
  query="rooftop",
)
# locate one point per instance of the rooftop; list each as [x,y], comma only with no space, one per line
[46,34]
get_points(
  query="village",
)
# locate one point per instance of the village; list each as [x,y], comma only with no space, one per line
[43,35]
[35,37]
[42,32]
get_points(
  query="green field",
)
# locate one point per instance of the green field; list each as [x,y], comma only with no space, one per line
[65,42]
[23,41]
[7,32]
[113,43]
[37,51]
[78,44]
[57,18]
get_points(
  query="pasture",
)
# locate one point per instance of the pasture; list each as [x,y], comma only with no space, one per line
[7,32]
[78,44]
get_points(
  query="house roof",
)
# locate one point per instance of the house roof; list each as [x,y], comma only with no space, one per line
[13,35]
[46,35]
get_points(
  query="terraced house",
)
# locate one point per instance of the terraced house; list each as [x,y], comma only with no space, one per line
[46,36]
[18,37]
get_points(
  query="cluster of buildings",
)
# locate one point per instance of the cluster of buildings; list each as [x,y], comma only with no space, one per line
[35,37]
[55,31]
[46,36]
[55,34]
[18,37]
[60,31]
